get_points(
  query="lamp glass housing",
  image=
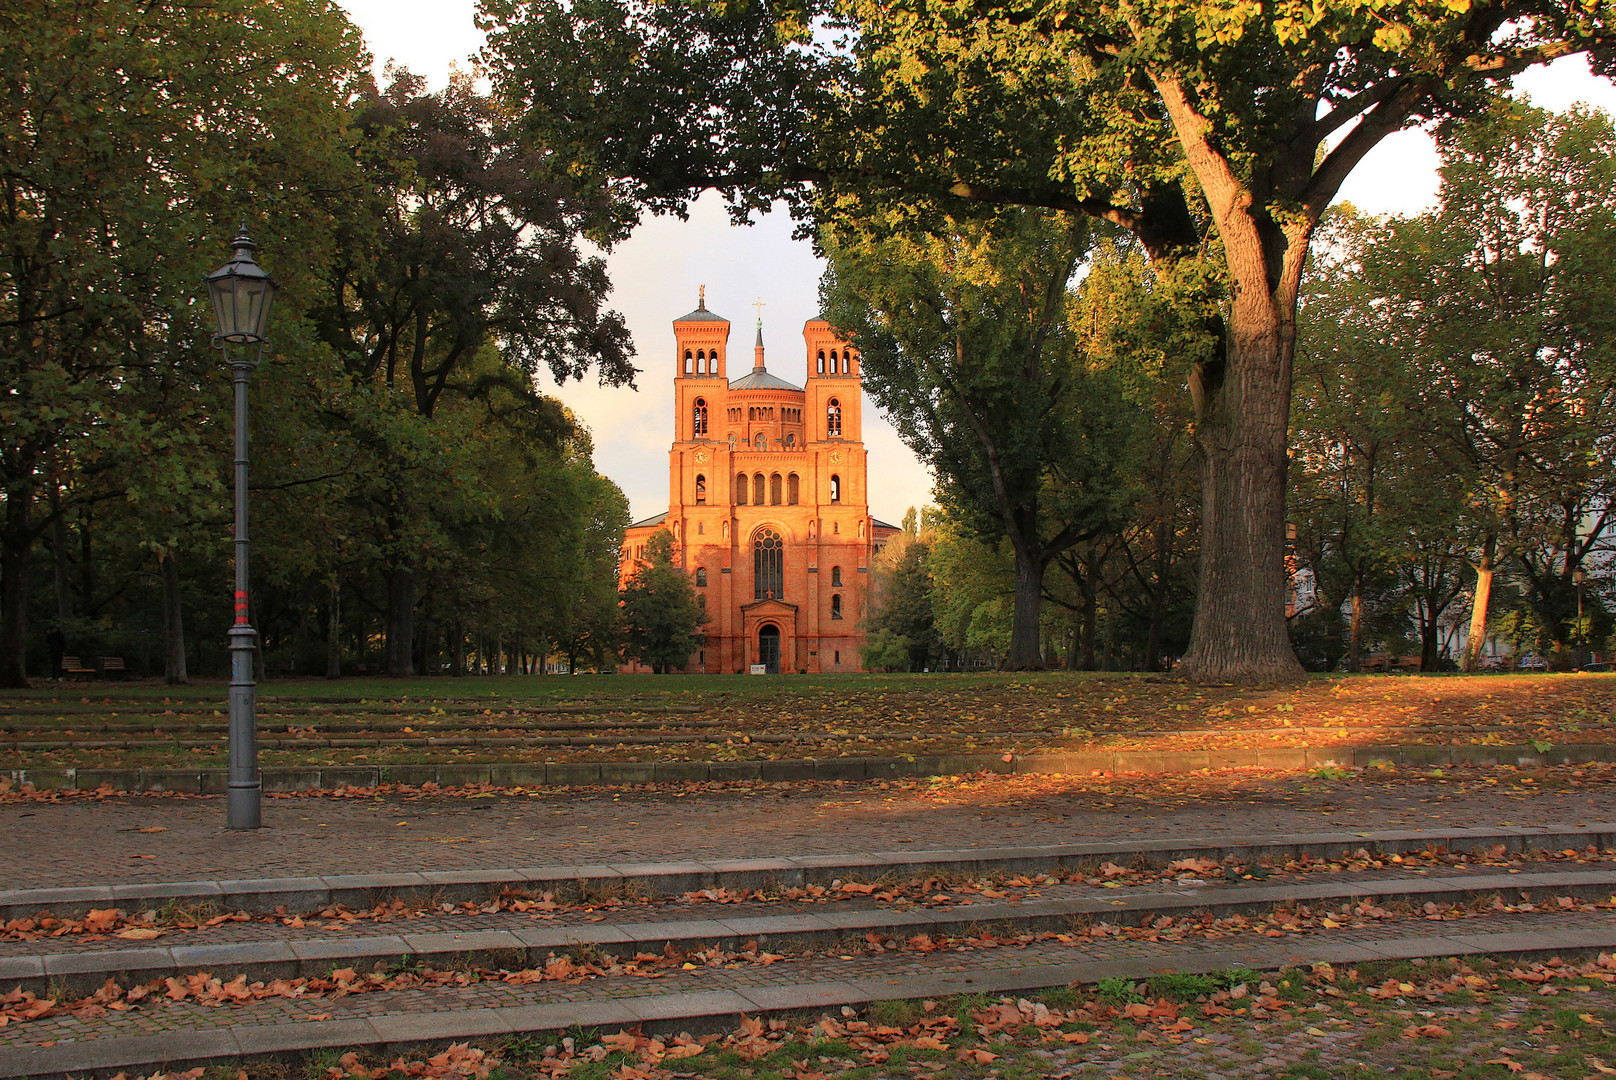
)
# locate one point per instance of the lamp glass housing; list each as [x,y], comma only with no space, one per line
[242,295]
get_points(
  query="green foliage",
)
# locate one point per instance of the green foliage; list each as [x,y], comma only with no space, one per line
[402,461]
[902,605]
[660,614]
[886,651]
[967,341]
[1118,991]
[1215,133]
[1454,389]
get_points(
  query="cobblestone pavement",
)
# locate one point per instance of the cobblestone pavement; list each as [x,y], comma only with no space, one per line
[159,1015]
[98,841]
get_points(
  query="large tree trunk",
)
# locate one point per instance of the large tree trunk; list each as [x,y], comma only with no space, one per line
[401,623]
[1025,653]
[174,672]
[1239,633]
[16,541]
[1476,640]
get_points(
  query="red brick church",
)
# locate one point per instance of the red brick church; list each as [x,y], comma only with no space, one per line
[767,503]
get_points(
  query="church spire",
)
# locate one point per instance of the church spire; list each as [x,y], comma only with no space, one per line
[757,349]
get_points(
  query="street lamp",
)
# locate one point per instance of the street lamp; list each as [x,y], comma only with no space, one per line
[242,294]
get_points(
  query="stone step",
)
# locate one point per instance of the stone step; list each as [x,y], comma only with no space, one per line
[158,1033]
[515,942]
[304,894]
[1330,754]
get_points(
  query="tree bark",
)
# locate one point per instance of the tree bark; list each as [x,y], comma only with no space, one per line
[333,634]
[1091,618]
[16,541]
[1429,651]
[1476,640]
[1239,634]
[401,623]
[174,671]
[1355,632]
[61,567]
[1242,405]
[1025,653]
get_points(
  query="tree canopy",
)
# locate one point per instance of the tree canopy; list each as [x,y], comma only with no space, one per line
[1216,133]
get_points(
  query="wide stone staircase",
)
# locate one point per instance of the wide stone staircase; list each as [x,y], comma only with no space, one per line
[136,978]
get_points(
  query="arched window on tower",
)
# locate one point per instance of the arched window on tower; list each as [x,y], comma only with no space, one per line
[835,489]
[699,418]
[774,490]
[836,605]
[760,494]
[836,577]
[701,488]
[833,418]
[822,361]
[740,489]
[768,566]
[701,577]
[689,363]
[793,488]
[762,441]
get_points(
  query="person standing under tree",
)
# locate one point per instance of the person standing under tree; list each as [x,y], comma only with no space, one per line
[57,643]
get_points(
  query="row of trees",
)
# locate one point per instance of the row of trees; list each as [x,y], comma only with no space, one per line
[1214,134]
[1455,431]
[413,495]
[1452,442]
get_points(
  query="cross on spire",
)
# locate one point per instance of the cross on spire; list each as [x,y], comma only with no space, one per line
[758,303]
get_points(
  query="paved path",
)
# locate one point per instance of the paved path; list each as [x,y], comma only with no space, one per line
[86,841]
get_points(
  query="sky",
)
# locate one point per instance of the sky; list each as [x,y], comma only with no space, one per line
[657,272]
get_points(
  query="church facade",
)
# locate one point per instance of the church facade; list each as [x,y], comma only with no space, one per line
[767,503]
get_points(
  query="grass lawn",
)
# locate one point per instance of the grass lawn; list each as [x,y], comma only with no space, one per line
[595,717]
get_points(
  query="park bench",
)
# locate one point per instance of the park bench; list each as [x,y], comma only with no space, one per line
[112,667]
[74,668]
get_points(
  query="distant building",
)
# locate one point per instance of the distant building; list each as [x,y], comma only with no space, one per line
[767,503]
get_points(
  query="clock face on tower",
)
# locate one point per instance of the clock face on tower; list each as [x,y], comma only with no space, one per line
[701,456]
[835,457]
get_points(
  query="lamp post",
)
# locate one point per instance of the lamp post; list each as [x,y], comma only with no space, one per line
[242,294]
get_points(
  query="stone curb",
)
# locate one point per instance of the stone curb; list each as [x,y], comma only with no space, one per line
[623,773]
[83,973]
[705,1011]
[300,894]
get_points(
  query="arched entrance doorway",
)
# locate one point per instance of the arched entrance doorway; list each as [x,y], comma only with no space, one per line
[769,647]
